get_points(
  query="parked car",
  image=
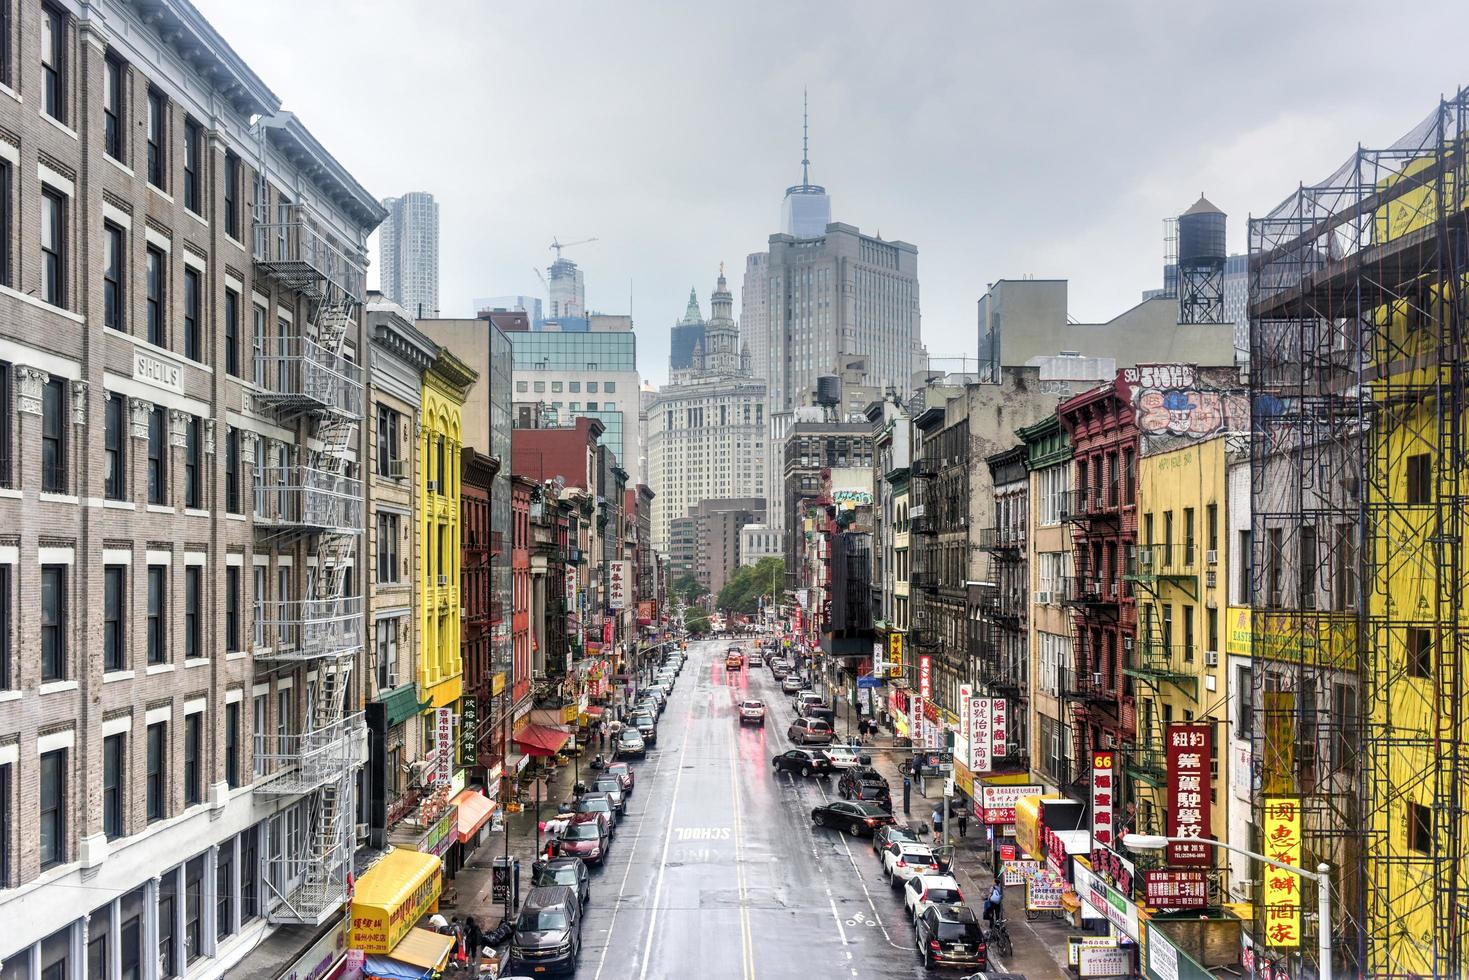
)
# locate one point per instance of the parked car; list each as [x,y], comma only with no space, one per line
[752,710]
[630,742]
[646,726]
[858,776]
[547,932]
[804,761]
[612,786]
[925,890]
[779,669]
[947,935]
[587,836]
[809,705]
[857,819]
[569,871]
[810,731]
[790,683]
[902,860]
[598,803]
[625,775]
[843,757]
[889,834]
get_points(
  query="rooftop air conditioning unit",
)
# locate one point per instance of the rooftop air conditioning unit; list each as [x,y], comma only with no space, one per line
[1211,658]
[1211,557]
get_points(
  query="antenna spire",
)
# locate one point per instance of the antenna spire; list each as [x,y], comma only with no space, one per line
[805,140]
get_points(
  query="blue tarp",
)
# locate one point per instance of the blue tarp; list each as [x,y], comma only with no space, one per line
[386,968]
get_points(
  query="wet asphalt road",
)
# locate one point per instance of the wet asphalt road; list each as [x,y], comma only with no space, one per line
[716,871]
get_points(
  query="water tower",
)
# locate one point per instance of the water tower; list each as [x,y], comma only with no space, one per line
[1201,255]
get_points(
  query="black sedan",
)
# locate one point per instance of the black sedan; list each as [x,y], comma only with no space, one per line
[857,819]
[568,871]
[804,761]
[892,832]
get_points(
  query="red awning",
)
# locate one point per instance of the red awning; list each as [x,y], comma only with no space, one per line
[541,740]
[594,710]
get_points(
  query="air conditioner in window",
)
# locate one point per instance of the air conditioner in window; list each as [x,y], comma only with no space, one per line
[1211,658]
[1244,890]
[1211,557]
[397,469]
[433,486]
[392,681]
[1145,556]
[1043,598]
[443,580]
[1097,680]
[1127,644]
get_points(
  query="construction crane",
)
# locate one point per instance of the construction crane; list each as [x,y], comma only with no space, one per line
[556,246]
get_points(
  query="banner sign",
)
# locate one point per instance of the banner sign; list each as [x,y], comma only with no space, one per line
[1043,890]
[469,731]
[1188,797]
[1176,889]
[925,676]
[999,801]
[961,740]
[619,584]
[1103,775]
[999,727]
[981,742]
[444,743]
[1282,888]
[1114,869]
[1114,906]
[1103,961]
[1021,870]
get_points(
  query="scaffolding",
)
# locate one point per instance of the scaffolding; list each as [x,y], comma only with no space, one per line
[1358,570]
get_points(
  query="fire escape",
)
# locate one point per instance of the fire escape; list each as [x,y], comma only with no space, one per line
[307,497]
[922,578]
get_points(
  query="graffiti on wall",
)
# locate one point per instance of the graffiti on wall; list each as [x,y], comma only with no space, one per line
[1175,407]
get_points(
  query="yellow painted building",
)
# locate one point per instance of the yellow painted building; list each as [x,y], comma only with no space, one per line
[1177,575]
[440,438]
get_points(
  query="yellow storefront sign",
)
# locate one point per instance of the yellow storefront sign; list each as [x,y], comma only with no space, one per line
[497,684]
[963,778]
[1282,888]
[1319,639]
[392,896]
[895,654]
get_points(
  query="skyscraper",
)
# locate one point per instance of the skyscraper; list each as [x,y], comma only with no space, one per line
[408,247]
[567,290]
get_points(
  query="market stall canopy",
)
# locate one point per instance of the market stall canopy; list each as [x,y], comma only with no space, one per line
[541,740]
[392,896]
[474,809]
[421,954]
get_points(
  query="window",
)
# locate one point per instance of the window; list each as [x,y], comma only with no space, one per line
[574,387]
[193,341]
[7,24]
[157,457]
[114,619]
[130,938]
[283,599]
[114,764]
[1307,559]
[257,345]
[194,611]
[5,217]
[232,608]
[231,747]
[555,387]
[5,801]
[387,548]
[389,452]
[168,902]
[387,653]
[53,622]
[157,126]
[193,464]
[114,449]
[232,195]
[522,386]
[112,129]
[1211,527]
[609,387]
[1346,732]
[257,600]
[193,908]
[1420,479]
[232,333]
[283,715]
[53,63]
[193,162]
[53,246]
[540,387]
[157,790]
[224,890]
[591,406]
[113,306]
[5,600]
[193,774]
[232,471]
[1420,651]
[591,387]
[157,613]
[157,329]
[53,808]
[1420,828]
[53,436]
[250,872]
[1246,569]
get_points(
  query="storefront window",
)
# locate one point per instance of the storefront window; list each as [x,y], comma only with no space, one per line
[168,903]
[99,942]
[194,909]
[130,935]
[224,890]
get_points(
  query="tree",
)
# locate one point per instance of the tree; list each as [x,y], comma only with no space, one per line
[744,590]
[690,588]
[697,626]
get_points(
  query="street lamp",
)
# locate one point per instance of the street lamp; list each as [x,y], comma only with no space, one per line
[1322,877]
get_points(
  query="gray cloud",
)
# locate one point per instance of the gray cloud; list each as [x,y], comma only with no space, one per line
[1003,139]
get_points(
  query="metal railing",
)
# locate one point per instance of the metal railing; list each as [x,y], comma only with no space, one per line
[1083,505]
[298,254]
[310,760]
[923,580]
[306,629]
[304,374]
[306,497]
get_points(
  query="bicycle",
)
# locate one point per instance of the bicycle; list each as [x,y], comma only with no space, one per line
[999,937]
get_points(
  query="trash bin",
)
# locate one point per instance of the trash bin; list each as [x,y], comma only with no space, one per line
[865,760]
[505,881]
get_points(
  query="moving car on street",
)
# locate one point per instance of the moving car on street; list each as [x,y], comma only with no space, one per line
[902,860]
[857,819]
[752,710]
[949,935]
[630,743]
[810,731]
[844,757]
[587,837]
[547,934]
[569,871]
[756,660]
[779,669]
[733,661]
[925,890]
[804,761]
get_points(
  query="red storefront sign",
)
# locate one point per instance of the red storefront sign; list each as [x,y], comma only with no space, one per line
[1113,868]
[1103,787]
[1188,792]
[1176,889]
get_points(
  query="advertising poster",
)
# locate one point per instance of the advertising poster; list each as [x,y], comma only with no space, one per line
[444,743]
[999,801]
[1043,890]
[1282,900]
[1176,889]
[1188,792]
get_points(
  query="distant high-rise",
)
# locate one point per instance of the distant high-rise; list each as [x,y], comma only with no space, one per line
[408,247]
[530,305]
[567,289]
[806,211]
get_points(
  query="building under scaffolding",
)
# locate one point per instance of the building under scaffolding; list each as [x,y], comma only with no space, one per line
[1358,564]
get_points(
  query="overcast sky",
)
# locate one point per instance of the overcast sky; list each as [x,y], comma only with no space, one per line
[1003,139]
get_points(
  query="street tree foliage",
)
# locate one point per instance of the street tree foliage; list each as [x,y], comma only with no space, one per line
[742,593]
[690,588]
[697,626]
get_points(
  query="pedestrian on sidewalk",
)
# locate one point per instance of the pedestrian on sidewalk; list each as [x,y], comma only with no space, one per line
[964,823]
[938,821]
[473,940]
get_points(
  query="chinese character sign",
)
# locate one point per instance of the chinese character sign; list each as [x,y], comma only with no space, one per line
[1103,797]
[1282,903]
[1188,792]
[619,584]
[925,676]
[895,654]
[961,742]
[999,727]
[1176,889]
[981,739]
[444,742]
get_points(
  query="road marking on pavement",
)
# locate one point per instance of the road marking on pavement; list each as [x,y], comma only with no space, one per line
[747,943]
[663,860]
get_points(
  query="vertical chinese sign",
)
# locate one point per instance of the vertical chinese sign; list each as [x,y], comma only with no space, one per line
[1282,888]
[1103,797]
[895,654]
[981,735]
[966,715]
[444,742]
[925,676]
[999,727]
[1188,795]
[617,591]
